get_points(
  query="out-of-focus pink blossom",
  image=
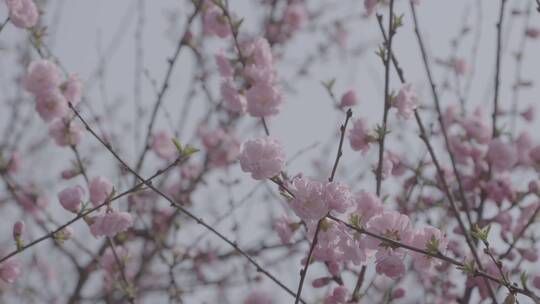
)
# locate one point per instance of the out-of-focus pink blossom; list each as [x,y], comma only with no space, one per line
[348,99]
[406,101]
[391,266]
[66,133]
[234,101]
[262,157]
[308,202]
[258,297]
[111,223]
[398,293]
[42,75]
[263,100]
[71,198]
[530,255]
[224,65]
[100,189]
[532,32]
[359,136]
[14,164]
[460,66]
[72,89]
[163,146]
[476,127]
[338,296]
[528,114]
[370,6]
[9,270]
[23,13]
[536,282]
[283,226]
[264,96]
[214,21]
[51,104]
[501,155]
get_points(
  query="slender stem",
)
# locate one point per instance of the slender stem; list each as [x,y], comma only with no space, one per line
[303,272]
[498,69]
[382,135]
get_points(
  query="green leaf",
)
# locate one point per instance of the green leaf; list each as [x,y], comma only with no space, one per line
[177,144]
[188,151]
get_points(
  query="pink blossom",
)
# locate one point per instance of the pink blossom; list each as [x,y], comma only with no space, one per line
[9,270]
[224,65]
[295,16]
[14,164]
[66,133]
[283,227]
[263,100]
[223,148]
[392,225]
[348,99]
[523,145]
[338,196]
[534,154]
[368,205]
[387,167]
[18,230]
[359,138]
[308,202]
[71,198]
[501,155]
[460,66]
[163,146]
[536,282]
[234,101]
[532,32]
[43,75]
[391,266]
[406,101]
[263,96]
[72,89]
[476,127]
[432,240]
[262,157]
[22,13]
[338,296]
[100,189]
[530,255]
[398,293]
[108,259]
[500,188]
[528,114]
[51,104]
[370,6]
[258,297]
[215,22]
[111,223]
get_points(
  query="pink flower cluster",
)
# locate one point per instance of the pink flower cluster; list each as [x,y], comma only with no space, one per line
[52,96]
[263,94]
[23,13]
[262,157]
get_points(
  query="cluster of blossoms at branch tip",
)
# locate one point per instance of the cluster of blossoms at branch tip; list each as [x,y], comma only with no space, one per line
[52,97]
[23,13]
[260,95]
[263,158]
